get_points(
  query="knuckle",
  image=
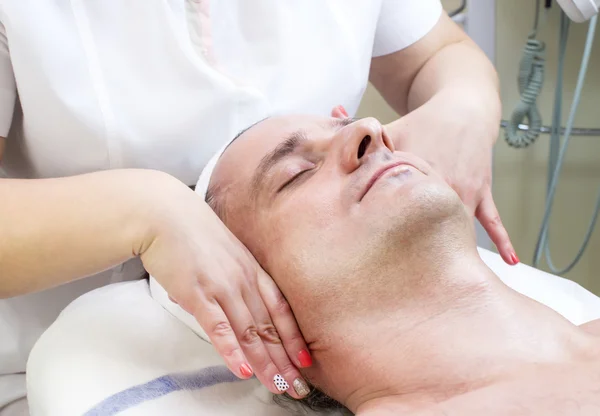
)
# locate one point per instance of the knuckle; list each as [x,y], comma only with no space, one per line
[266,366]
[495,221]
[229,351]
[280,304]
[288,368]
[215,291]
[249,336]
[268,333]
[295,338]
[248,271]
[222,329]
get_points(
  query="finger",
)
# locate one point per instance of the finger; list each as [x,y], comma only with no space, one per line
[284,321]
[339,112]
[277,352]
[470,202]
[488,216]
[246,332]
[213,320]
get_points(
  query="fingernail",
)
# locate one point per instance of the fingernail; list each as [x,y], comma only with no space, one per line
[514,258]
[304,358]
[280,383]
[245,370]
[301,388]
[343,111]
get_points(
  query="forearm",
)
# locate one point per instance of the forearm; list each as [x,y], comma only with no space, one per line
[56,230]
[461,81]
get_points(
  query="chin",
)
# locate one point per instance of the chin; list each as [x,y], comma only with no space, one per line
[416,199]
[430,210]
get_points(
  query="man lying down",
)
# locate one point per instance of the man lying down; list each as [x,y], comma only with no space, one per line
[387,286]
[376,255]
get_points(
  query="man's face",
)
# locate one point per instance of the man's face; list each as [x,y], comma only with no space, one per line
[320,201]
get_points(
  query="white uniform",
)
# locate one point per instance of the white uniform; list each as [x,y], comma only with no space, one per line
[161,84]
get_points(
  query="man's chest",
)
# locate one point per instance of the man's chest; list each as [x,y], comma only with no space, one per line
[572,390]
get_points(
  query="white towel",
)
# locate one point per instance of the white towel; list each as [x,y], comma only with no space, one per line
[115,351]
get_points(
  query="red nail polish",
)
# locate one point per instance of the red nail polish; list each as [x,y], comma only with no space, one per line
[245,370]
[343,111]
[304,358]
[514,258]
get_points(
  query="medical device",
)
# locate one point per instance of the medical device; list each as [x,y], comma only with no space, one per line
[531,77]
[580,10]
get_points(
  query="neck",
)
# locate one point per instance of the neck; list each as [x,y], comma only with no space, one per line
[460,329]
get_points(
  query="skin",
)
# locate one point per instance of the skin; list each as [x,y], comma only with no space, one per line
[400,313]
[47,239]
[439,84]
[445,86]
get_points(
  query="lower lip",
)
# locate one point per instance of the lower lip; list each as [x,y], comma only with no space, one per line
[396,171]
[399,170]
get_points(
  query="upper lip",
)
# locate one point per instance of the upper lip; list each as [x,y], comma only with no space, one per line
[379,173]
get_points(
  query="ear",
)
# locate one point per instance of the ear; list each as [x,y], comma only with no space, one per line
[339,112]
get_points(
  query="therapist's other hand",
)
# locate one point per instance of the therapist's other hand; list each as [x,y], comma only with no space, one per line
[211,275]
[462,153]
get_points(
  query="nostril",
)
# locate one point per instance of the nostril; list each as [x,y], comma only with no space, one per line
[364,145]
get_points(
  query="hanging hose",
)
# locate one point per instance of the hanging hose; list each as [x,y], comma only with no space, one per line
[531,79]
[543,240]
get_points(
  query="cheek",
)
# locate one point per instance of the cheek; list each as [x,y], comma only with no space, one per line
[305,216]
[294,230]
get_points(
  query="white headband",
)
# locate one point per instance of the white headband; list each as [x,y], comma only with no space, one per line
[259,112]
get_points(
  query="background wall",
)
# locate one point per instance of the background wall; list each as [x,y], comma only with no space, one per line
[520,175]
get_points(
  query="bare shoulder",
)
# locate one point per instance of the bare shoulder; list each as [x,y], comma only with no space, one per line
[592,327]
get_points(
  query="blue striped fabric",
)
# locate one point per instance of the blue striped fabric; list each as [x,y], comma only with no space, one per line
[162,386]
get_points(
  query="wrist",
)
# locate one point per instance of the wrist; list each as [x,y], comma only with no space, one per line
[161,195]
[468,105]
[455,110]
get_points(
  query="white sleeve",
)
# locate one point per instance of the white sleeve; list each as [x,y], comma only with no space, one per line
[403,22]
[8,89]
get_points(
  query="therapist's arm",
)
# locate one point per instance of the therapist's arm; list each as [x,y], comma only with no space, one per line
[447,92]
[53,231]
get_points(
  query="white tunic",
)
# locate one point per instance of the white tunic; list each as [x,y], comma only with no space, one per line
[161,84]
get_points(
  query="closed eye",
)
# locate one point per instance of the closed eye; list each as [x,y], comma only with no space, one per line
[292,180]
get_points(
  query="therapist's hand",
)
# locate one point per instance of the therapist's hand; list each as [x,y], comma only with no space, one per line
[211,274]
[459,148]
[447,90]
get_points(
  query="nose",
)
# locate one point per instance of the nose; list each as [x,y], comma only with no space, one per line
[360,139]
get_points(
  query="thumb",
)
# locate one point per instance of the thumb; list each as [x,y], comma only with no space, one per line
[397,131]
[339,112]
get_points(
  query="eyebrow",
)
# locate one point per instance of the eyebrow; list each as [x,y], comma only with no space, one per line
[286,148]
[271,159]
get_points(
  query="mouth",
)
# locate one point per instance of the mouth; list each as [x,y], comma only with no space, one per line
[379,173]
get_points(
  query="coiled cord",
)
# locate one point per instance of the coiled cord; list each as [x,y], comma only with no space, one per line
[531,80]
